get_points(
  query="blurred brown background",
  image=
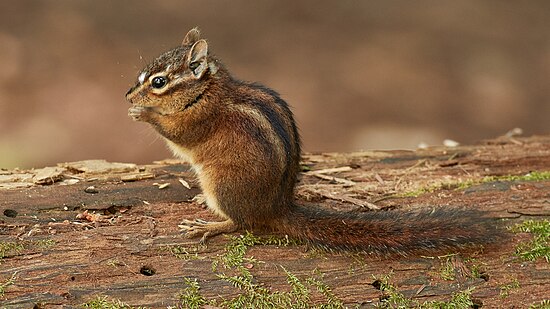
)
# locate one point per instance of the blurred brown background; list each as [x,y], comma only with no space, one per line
[359,74]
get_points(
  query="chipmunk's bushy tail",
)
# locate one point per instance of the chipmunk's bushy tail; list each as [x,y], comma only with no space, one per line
[392,232]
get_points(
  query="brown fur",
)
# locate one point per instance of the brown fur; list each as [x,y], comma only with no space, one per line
[243,143]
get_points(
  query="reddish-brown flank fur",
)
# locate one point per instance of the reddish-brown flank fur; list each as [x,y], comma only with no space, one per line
[243,143]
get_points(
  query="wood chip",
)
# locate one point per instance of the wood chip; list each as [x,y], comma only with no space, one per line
[137,176]
[100,167]
[68,182]
[184,183]
[162,185]
[16,177]
[450,143]
[48,175]
[379,179]
[420,289]
[331,170]
[15,185]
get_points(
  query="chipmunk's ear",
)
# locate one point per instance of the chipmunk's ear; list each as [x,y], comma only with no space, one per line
[191,37]
[196,60]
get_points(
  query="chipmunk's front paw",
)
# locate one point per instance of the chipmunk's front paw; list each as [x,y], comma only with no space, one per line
[139,113]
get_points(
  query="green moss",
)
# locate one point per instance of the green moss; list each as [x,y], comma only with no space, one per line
[391,298]
[417,192]
[44,244]
[447,270]
[102,302]
[505,289]
[253,294]
[14,248]
[7,283]
[462,299]
[191,297]
[462,185]
[544,304]
[185,253]
[114,262]
[10,248]
[235,249]
[477,269]
[299,290]
[331,300]
[394,299]
[539,245]
[531,176]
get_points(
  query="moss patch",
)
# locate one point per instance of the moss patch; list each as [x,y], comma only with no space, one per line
[539,246]
[253,294]
[447,270]
[545,304]
[191,297]
[462,185]
[507,288]
[392,298]
[185,253]
[13,248]
[7,283]
[235,249]
[45,244]
[10,248]
[102,302]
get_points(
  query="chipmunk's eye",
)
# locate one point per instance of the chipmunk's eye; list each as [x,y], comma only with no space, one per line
[159,82]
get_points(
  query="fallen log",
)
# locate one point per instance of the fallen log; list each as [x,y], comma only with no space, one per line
[95,231]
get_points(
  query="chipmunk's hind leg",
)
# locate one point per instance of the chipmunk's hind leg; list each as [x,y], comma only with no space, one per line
[199,227]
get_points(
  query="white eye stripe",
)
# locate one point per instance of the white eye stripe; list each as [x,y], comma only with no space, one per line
[141,77]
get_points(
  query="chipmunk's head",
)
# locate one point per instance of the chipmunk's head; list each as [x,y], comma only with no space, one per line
[176,79]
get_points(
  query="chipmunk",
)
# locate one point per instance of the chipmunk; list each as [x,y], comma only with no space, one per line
[242,141]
